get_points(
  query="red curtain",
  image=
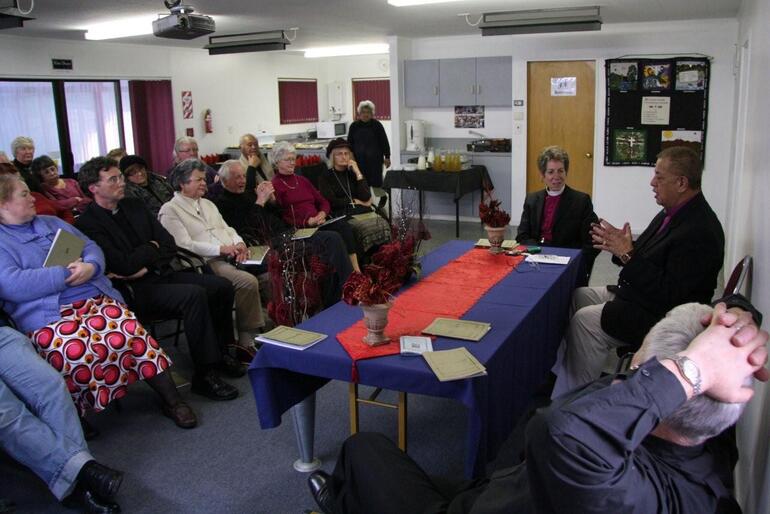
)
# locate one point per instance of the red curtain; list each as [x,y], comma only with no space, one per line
[298,100]
[152,114]
[375,90]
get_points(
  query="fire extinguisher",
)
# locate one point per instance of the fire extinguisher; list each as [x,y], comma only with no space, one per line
[207,127]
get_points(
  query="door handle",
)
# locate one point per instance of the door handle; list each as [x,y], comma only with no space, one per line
[473,89]
[435,90]
[588,155]
[478,89]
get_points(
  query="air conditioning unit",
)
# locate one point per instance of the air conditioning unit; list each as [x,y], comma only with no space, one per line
[248,42]
[538,21]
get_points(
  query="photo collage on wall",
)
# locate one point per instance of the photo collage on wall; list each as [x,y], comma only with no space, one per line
[653,104]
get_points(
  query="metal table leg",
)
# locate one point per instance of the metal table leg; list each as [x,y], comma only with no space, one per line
[457,218]
[303,415]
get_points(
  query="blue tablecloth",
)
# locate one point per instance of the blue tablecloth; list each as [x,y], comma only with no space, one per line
[528,311]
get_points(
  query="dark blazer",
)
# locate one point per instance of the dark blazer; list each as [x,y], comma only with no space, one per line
[121,256]
[571,228]
[676,266]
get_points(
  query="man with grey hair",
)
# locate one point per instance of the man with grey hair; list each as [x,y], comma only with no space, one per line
[622,444]
[254,162]
[257,218]
[186,147]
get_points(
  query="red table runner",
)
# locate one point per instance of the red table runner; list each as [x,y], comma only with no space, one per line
[449,292]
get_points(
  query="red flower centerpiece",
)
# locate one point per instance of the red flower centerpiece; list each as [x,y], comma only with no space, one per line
[495,222]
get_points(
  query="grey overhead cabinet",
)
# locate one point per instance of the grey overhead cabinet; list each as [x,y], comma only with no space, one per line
[421,87]
[450,82]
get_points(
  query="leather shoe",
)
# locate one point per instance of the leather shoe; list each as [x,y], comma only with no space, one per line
[319,481]
[100,479]
[211,385]
[231,367]
[182,414]
[88,502]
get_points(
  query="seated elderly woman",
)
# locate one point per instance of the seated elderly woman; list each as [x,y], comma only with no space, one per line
[76,319]
[303,205]
[42,204]
[151,188]
[347,191]
[197,226]
[558,215]
[65,193]
[23,151]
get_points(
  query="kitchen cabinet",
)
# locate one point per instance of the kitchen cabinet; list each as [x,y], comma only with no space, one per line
[421,83]
[457,82]
[450,82]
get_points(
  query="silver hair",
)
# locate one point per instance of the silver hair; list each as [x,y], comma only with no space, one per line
[20,142]
[243,138]
[183,140]
[183,171]
[224,169]
[364,104]
[701,417]
[280,150]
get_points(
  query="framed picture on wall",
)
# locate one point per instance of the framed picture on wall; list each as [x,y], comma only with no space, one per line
[629,145]
[656,76]
[624,76]
[690,75]
[690,138]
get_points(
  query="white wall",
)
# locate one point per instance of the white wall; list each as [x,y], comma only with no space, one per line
[749,233]
[620,193]
[240,89]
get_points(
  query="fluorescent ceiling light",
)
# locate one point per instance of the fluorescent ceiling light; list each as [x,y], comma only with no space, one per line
[126,27]
[409,3]
[334,51]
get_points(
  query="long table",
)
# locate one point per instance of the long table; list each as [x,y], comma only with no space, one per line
[528,311]
[458,183]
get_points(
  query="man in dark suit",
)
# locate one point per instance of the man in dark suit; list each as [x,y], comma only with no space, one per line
[558,215]
[138,252]
[674,261]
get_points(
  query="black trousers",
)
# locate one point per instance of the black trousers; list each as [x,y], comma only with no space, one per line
[203,301]
[330,247]
[345,231]
[373,476]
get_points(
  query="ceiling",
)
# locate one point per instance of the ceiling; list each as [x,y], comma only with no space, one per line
[336,22]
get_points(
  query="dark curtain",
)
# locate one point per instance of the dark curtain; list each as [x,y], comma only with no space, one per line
[152,114]
[374,90]
[298,101]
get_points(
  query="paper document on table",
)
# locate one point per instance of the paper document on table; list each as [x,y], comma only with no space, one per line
[507,244]
[303,233]
[365,216]
[454,364]
[458,328]
[415,345]
[256,254]
[544,258]
[290,337]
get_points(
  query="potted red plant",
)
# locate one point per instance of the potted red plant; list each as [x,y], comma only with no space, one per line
[495,222]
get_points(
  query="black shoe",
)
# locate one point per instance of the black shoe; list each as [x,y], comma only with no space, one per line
[100,479]
[89,431]
[231,367]
[318,481]
[211,385]
[88,502]
[182,414]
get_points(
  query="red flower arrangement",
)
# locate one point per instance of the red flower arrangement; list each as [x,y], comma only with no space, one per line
[391,265]
[492,215]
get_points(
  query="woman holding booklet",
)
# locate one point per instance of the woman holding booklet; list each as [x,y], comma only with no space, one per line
[303,205]
[76,320]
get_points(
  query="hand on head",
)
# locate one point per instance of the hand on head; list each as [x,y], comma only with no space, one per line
[617,241]
[727,353]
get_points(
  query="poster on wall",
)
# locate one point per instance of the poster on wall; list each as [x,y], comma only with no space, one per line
[653,103]
[469,116]
[187,106]
[563,86]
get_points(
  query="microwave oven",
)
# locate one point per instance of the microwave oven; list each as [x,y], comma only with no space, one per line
[331,129]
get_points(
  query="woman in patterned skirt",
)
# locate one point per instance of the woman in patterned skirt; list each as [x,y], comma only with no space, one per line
[75,318]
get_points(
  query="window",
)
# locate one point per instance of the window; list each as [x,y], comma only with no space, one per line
[27,109]
[92,118]
[298,100]
[376,91]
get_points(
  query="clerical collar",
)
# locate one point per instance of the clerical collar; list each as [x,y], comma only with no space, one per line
[555,193]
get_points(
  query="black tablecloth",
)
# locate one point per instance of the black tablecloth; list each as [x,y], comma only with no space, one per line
[456,182]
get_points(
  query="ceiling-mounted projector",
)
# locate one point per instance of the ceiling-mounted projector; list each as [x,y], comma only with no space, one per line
[182,23]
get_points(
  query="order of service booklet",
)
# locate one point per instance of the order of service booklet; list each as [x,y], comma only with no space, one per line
[65,249]
[507,244]
[256,254]
[290,337]
[303,233]
[458,328]
[454,364]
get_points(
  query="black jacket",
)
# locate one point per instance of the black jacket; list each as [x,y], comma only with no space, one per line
[123,257]
[676,266]
[254,223]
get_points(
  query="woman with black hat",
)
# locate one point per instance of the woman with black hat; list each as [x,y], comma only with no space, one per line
[151,188]
[347,191]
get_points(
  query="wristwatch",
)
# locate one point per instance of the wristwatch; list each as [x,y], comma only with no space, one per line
[625,257]
[689,371]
